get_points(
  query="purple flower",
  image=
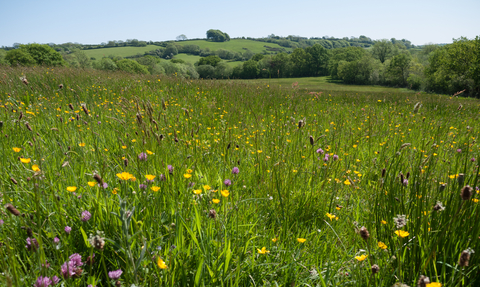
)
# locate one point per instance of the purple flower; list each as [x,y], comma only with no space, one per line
[115,274]
[405,182]
[235,170]
[68,229]
[99,122]
[170,169]
[56,240]
[335,157]
[1,221]
[142,156]
[42,282]
[162,177]
[191,184]
[472,159]
[227,182]
[142,186]
[76,259]
[325,159]
[320,150]
[459,150]
[32,244]
[46,264]
[104,185]
[69,268]
[55,280]
[85,216]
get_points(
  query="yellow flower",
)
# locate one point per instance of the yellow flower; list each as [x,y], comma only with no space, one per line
[124,147]
[35,168]
[187,175]
[215,200]
[207,187]
[453,176]
[384,222]
[259,151]
[161,264]
[25,160]
[134,140]
[125,176]
[301,240]
[17,149]
[402,233]
[114,191]
[331,216]
[149,152]
[189,171]
[197,191]
[71,188]
[155,188]
[274,240]
[382,245]
[361,258]
[91,183]
[347,182]
[434,284]
[225,193]
[150,177]
[263,251]
[81,144]
[475,200]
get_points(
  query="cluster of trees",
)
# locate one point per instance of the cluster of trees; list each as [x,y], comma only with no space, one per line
[217,36]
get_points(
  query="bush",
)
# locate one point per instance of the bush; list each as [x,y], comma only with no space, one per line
[206,71]
[19,57]
[35,54]
[132,66]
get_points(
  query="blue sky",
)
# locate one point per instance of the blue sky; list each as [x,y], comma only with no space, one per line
[93,22]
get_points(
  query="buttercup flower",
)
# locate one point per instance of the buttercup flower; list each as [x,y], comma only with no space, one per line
[361,258]
[215,200]
[17,149]
[301,240]
[25,160]
[91,183]
[225,193]
[71,188]
[263,250]
[382,245]
[161,264]
[402,233]
[35,168]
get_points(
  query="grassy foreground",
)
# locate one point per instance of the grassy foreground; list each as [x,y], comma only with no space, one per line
[111,179]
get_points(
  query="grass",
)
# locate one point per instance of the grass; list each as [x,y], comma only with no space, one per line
[323,182]
[119,51]
[236,45]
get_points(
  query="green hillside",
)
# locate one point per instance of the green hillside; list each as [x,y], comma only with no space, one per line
[236,45]
[119,51]
[192,59]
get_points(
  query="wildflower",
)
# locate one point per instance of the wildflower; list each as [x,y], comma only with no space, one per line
[189,171]
[263,250]
[161,264]
[274,240]
[335,157]
[187,175]
[301,240]
[55,280]
[71,188]
[91,183]
[347,182]
[207,187]
[104,185]
[32,244]
[150,177]
[434,284]
[400,221]
[115,274]
[42,282]
[142,156]
[361,258]
[320,150]
[25,160]
[325,159]
[70,268]
[235,170]
[68,229]
[472,159]
[375,269]
[466,192]
[459,150]
[124,147]
[402,233]
[155,188]
[405,182]
[382,245]
[197,191]
[56,240]
[225,193]
[149,152]
[162,177]
[364,233]
[17,149]
[81,144]
[1,222]
[85,216]
[215,200]
[170,169]
[125,176]
[383,222]
[227,182]
[331,216]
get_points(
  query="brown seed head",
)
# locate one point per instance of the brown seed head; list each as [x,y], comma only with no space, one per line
[118,283]
[98,178]
[13,180]
[466,192]
[312,141]
[383,172]
[60,86]
[375,269]
[84,108]
[423,281]
[71,107]
[464,258]
[212,214]
[28,126]
[364,233]
[12,209]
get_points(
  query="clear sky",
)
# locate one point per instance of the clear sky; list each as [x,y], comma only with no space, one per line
[93,22]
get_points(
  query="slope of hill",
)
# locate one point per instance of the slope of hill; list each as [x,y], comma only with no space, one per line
[238,45]
[119,51]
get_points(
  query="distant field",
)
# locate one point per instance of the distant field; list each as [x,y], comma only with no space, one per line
[119,51]
[323,84]
[236,45]
[193,59]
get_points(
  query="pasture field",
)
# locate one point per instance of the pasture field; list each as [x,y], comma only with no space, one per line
[235,45]
[112,179]
[119,51]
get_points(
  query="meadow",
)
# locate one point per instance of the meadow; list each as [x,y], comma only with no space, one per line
[118,51]
[113,179]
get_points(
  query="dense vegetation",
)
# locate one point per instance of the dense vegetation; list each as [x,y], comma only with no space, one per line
[114,179]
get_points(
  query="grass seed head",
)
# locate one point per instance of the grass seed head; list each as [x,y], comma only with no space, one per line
[464,258]
[364,233]
[466,192]
[12,209]
[423,281]
[375,269]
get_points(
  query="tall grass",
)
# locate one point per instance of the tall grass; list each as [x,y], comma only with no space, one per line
[389,154]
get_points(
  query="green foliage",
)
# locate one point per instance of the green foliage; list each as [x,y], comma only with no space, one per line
[210,60]
[206,71]
[250,70]
[132,66]
[217,36]
[19,57]
[382,50]
[170,51]
[42,55]
[105,64]
[397,71]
